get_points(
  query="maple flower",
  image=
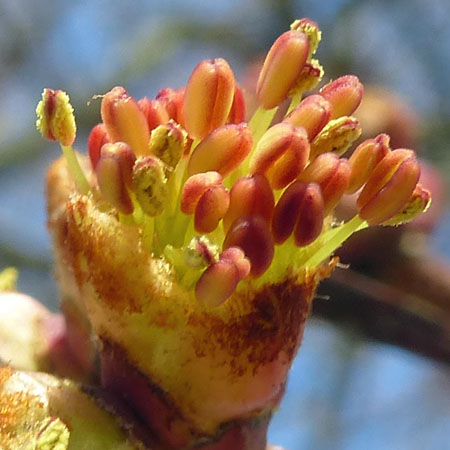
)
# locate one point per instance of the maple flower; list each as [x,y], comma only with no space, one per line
[198,245]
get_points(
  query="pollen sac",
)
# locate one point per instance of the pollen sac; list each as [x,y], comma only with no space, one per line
[210,208]
[55,119]
[217,283]
[311,29]
[208,97]
[238,111]
[124,120]
[345,94]
[336,136]
[281,154]
[252,234]
[222,150]
[313,113]
[97,138]
[194,187]
[417,204]
[114,173]
[299,210]
[172,101]
[237,257]
[332,174]
[154,111]
[150,185]
[310,76]
[282,67]
[168,142]
[389,187]
[250,196]
[364,159]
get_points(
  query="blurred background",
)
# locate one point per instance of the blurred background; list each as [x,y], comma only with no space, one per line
[347,390]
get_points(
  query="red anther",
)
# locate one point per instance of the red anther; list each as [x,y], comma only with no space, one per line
[114,172]
[281,154]
[97,138]
[282,67]
[238,111]
[365,158]
[194,187]
[345,94]
[301,208]
[250,196]
[389,187]
[124,120]
[208,97]
[210,208]
[311,29]
[237,257]
[217,283]
[252,234]
[313,113]
[332,174]
[222,150]
[154,111]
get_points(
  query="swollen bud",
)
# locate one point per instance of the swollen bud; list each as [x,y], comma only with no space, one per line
[208,97]
[55,119]
[222,150]
[345,94]
[282,67]
[124,120]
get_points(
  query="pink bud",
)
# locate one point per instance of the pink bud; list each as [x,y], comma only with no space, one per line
[208,97]
[345,94]
[282,67]
[222,150]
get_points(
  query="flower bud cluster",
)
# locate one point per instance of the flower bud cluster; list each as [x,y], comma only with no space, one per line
[186,164]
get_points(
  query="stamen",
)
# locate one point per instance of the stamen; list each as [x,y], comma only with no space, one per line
[250,196]
[237,257]
[311,29]
[208,97]
[154,111]
[222,150]
[97,138]
[238,109]
[252,234]
[124,120]
[173,103]
[210,208]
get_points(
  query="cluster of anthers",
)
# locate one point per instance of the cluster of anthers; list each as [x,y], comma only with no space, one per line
[227,201]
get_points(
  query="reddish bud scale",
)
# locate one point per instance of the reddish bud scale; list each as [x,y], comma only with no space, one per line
[124,120]
[154,111]
[114,174]
[281,154]
[282,67]
[238,110]
[250,196]
[194,187]
[252,234]
[222,150]
[97,138]
[345,94]
[313,113]
[389,187]
[237,257]
[208,97]
[364,159]
[172,101]
[217,283]
[210,208]
[332,174]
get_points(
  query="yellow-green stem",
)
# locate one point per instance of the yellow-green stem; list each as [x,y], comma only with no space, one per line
[295,100]
[75,169]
